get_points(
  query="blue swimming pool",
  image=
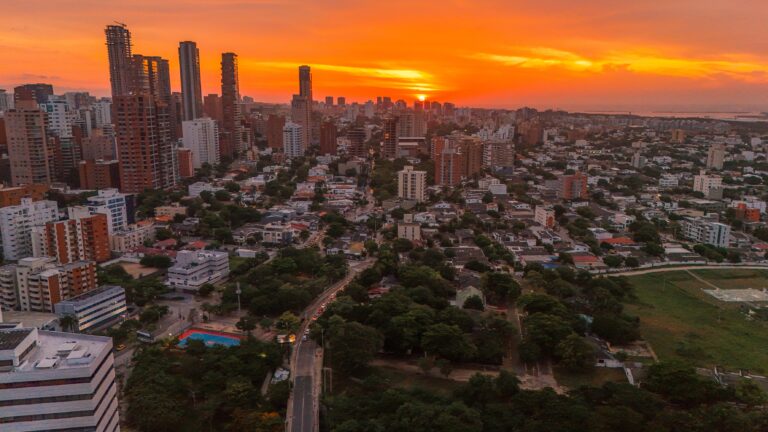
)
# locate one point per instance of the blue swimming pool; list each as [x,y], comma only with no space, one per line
[209,338]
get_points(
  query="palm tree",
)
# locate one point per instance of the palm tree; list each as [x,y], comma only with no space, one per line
[69,323]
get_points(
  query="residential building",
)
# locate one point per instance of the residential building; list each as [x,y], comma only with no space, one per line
[499,155]
[275,125]
[668,181]
[37,283]
[201,136]
[11,196]
[544,216]
[276,233]
[412,184]
[705,183]
[120,59]
[99,174]
[95,309]
[328,138]
[708,232]
[409,230]
[31,151]
[716,156]
[82,237]
[38,93]
[572,187]
[57,381]
[389,137]
[16,223]
[449,162]
[191,90]
[301,114]
[356,146]
[193,269]
[113,204]
[186,163]
[293,140]
[213,108]
[130,238]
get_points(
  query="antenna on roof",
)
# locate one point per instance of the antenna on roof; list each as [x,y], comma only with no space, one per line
[122,24]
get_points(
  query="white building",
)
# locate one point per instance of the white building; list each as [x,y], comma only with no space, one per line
[16,223]
[94,309]
[412,184]
[704,183]
[111,203]
[195,189]
[276,233]
[51,381]
[293,140]
[202,137]
[544,216]
[132,237]
[703,231]
[409,230]
[668,181]
[193,269]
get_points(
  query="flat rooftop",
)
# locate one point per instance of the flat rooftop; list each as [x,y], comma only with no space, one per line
[57,351]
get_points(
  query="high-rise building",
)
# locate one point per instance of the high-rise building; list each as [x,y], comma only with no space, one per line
[356,146]
[16,223]
[706,231]
[305,83]
[472,150]
[412,184]
[120,59]
[411,123]
[678,136]
[191,90]
[275,125]
[39,282]
[500,155]
[293,140]
[34,92]
[231,134]
[328,138]
[329,101]
[212,107]
[82,237]
[301,114]
[12,196]
[449,162]
[389,138]
[573,186]
[186,165]
[30,150]
[97,174]
[341,101]
[51,380]
[145,149]
[201,136]
[716,156]
[113,204]
[6,101]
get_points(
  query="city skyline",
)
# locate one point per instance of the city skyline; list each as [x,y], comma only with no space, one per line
[492,54]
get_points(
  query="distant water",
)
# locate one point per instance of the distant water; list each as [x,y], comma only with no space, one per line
[713,115]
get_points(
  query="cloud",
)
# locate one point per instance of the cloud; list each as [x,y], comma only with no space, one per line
[733,66]
[395,78]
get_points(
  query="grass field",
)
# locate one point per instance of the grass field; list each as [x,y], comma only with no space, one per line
[395,378]
[682,322]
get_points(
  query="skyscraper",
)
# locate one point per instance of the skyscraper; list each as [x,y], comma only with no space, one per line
[389,142]
[119,51]
[192,94]
[716,156]
[213,109]
[356,138]
[275,124]
[30,150]
[305,82]
[230,102]
[141,98]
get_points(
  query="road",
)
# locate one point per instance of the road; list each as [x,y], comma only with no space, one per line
[684,268]
[303,414]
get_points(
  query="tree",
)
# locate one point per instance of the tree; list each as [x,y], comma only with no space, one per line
[547,331]
[474,302]
[246,324]
[575,353]
[615,329]
[288,322]
[653,249]
[447,341]
[352,345]
[206,290]
[613,260]
[632,262]
[69,323]
[565,258]
[156,261]
[500,287]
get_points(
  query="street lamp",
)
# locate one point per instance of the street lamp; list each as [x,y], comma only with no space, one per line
[238,291]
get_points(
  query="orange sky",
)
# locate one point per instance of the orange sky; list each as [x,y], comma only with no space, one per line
[604,54]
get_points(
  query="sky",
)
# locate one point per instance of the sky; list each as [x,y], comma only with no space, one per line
[587,54]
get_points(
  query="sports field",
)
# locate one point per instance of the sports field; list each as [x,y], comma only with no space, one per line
[681,321]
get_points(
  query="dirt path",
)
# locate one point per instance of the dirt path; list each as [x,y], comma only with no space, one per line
[702,280]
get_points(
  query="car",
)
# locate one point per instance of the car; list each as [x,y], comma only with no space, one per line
[120,347]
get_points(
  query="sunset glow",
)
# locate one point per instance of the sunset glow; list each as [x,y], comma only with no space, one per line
[489,53]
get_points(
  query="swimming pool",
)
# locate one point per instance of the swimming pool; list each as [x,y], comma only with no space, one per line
[209,338]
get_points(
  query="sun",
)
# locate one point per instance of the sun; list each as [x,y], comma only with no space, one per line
[422,97]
